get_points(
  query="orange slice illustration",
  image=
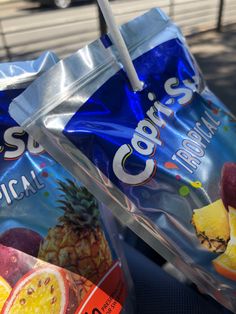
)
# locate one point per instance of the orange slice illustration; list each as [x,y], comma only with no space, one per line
[225,264]
[170,165]
[41,291]
[5,290]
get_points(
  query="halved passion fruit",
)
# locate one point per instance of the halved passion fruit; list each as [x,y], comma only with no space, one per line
[5,290]
[44,290]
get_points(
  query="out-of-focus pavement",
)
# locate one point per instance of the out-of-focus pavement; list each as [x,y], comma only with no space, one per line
[26,30]
[216,55]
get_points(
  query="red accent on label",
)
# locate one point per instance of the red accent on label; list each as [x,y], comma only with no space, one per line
[108,296]
[44,174]
[215,110]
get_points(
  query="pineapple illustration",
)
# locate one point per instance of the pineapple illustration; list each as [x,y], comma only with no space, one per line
[212,226]
[77,242]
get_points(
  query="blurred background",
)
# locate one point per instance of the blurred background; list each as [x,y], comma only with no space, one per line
[29,27]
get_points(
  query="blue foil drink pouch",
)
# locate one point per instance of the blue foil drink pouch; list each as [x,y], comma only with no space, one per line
[162,159]
[46,213]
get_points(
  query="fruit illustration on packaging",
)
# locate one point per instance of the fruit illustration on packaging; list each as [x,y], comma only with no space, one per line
[212,226]
[44,290]
[22,239]
[5,290]
[13,264]
[77,243]
[215,224]
[228,184]
[225,264]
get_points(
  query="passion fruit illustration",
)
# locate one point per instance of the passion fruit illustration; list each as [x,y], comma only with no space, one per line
[22,239]
[42,290]
[228,184]
[14,264]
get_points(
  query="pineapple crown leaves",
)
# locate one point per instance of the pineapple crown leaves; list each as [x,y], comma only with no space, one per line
[79,205]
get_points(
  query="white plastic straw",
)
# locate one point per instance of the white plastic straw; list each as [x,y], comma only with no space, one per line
[120,45]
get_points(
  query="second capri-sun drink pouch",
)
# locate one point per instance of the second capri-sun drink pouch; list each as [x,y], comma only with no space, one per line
[48,218]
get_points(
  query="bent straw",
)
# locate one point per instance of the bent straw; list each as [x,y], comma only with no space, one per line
[120,45]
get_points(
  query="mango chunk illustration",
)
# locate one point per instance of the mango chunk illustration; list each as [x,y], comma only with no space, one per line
[212,226]
[225,264]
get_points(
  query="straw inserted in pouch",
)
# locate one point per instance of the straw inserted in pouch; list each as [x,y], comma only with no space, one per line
[120,45]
